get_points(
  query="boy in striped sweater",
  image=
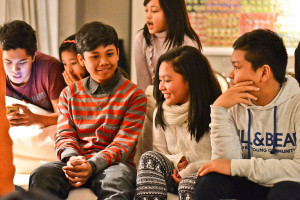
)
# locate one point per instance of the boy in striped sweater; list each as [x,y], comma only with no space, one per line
[100,119]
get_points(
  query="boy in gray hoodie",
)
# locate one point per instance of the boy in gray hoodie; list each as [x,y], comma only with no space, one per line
[255,126]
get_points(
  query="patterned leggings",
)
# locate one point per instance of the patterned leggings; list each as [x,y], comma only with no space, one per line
[154,179]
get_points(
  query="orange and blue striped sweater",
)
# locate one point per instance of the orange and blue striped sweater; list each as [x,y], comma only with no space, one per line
[100,122]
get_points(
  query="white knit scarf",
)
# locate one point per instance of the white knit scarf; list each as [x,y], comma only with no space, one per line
[175,114]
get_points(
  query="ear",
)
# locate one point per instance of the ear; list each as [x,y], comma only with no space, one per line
[80,60]
[118,51]
[265,73]
[33,58]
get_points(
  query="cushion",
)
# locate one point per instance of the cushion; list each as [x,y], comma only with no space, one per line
[32,145]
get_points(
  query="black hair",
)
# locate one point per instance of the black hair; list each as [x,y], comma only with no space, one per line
[204,87]
[178,24]
[94,34]
[297,63]
[68,45]
[264,47]
[18,34]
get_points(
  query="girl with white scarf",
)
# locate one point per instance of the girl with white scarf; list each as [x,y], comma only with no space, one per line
[185,86]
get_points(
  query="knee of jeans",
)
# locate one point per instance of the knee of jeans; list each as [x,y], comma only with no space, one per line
[39,172]
[117,180]
[38,177]
[45,172]
[205,183]
[118,173]
[284,190]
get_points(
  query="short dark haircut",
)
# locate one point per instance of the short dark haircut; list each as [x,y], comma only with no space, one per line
[68,45]
[178,23]
[94,34]
[204,87]
[264,47]
[18,34]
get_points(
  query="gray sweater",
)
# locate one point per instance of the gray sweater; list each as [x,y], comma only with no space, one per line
[261,141]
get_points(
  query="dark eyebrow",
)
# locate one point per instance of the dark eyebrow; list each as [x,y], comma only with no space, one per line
[164,76]
[111,49]
[19,60]
[234,62]
[94,52]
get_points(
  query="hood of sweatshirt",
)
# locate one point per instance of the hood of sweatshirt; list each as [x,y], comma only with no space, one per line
[288,89]
[269,127]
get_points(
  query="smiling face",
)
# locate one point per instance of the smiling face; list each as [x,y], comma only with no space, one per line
[172,85]
[242,69]
[155,17]
[72,65]
[17,65]
[101,62]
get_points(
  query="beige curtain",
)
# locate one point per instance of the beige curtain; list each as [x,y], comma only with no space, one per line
[42,15]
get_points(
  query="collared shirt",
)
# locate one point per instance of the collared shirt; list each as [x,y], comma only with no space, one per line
[100,121]
[96,88]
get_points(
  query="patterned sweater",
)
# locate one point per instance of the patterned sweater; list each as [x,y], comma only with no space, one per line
[100,122]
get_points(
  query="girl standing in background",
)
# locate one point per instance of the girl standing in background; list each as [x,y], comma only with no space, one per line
[167,26]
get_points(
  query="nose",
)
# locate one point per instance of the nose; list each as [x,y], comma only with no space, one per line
[148,14]
[68,68]
[15,67]
[103,61]
[231,74]
[161,86]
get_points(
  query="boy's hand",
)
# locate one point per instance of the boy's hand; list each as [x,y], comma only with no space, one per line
[238,93]
[182,164]
[27,118]
[78,171]
[69,78]
[220,166]
[177,178]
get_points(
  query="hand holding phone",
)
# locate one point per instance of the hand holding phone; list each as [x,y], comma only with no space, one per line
[11,109]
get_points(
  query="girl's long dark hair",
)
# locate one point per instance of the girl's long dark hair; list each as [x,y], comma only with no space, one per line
[178,24]
[204,87]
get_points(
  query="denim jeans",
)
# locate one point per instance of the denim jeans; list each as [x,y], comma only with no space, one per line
[216,186]
[115,182]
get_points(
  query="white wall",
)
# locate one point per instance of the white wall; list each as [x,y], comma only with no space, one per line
[138,21]
[74,13]
[112,12]
[67,19]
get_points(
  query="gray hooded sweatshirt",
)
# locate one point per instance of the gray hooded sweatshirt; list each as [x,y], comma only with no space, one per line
[261,141]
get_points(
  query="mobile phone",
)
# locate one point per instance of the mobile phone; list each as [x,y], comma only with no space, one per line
[11,109]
